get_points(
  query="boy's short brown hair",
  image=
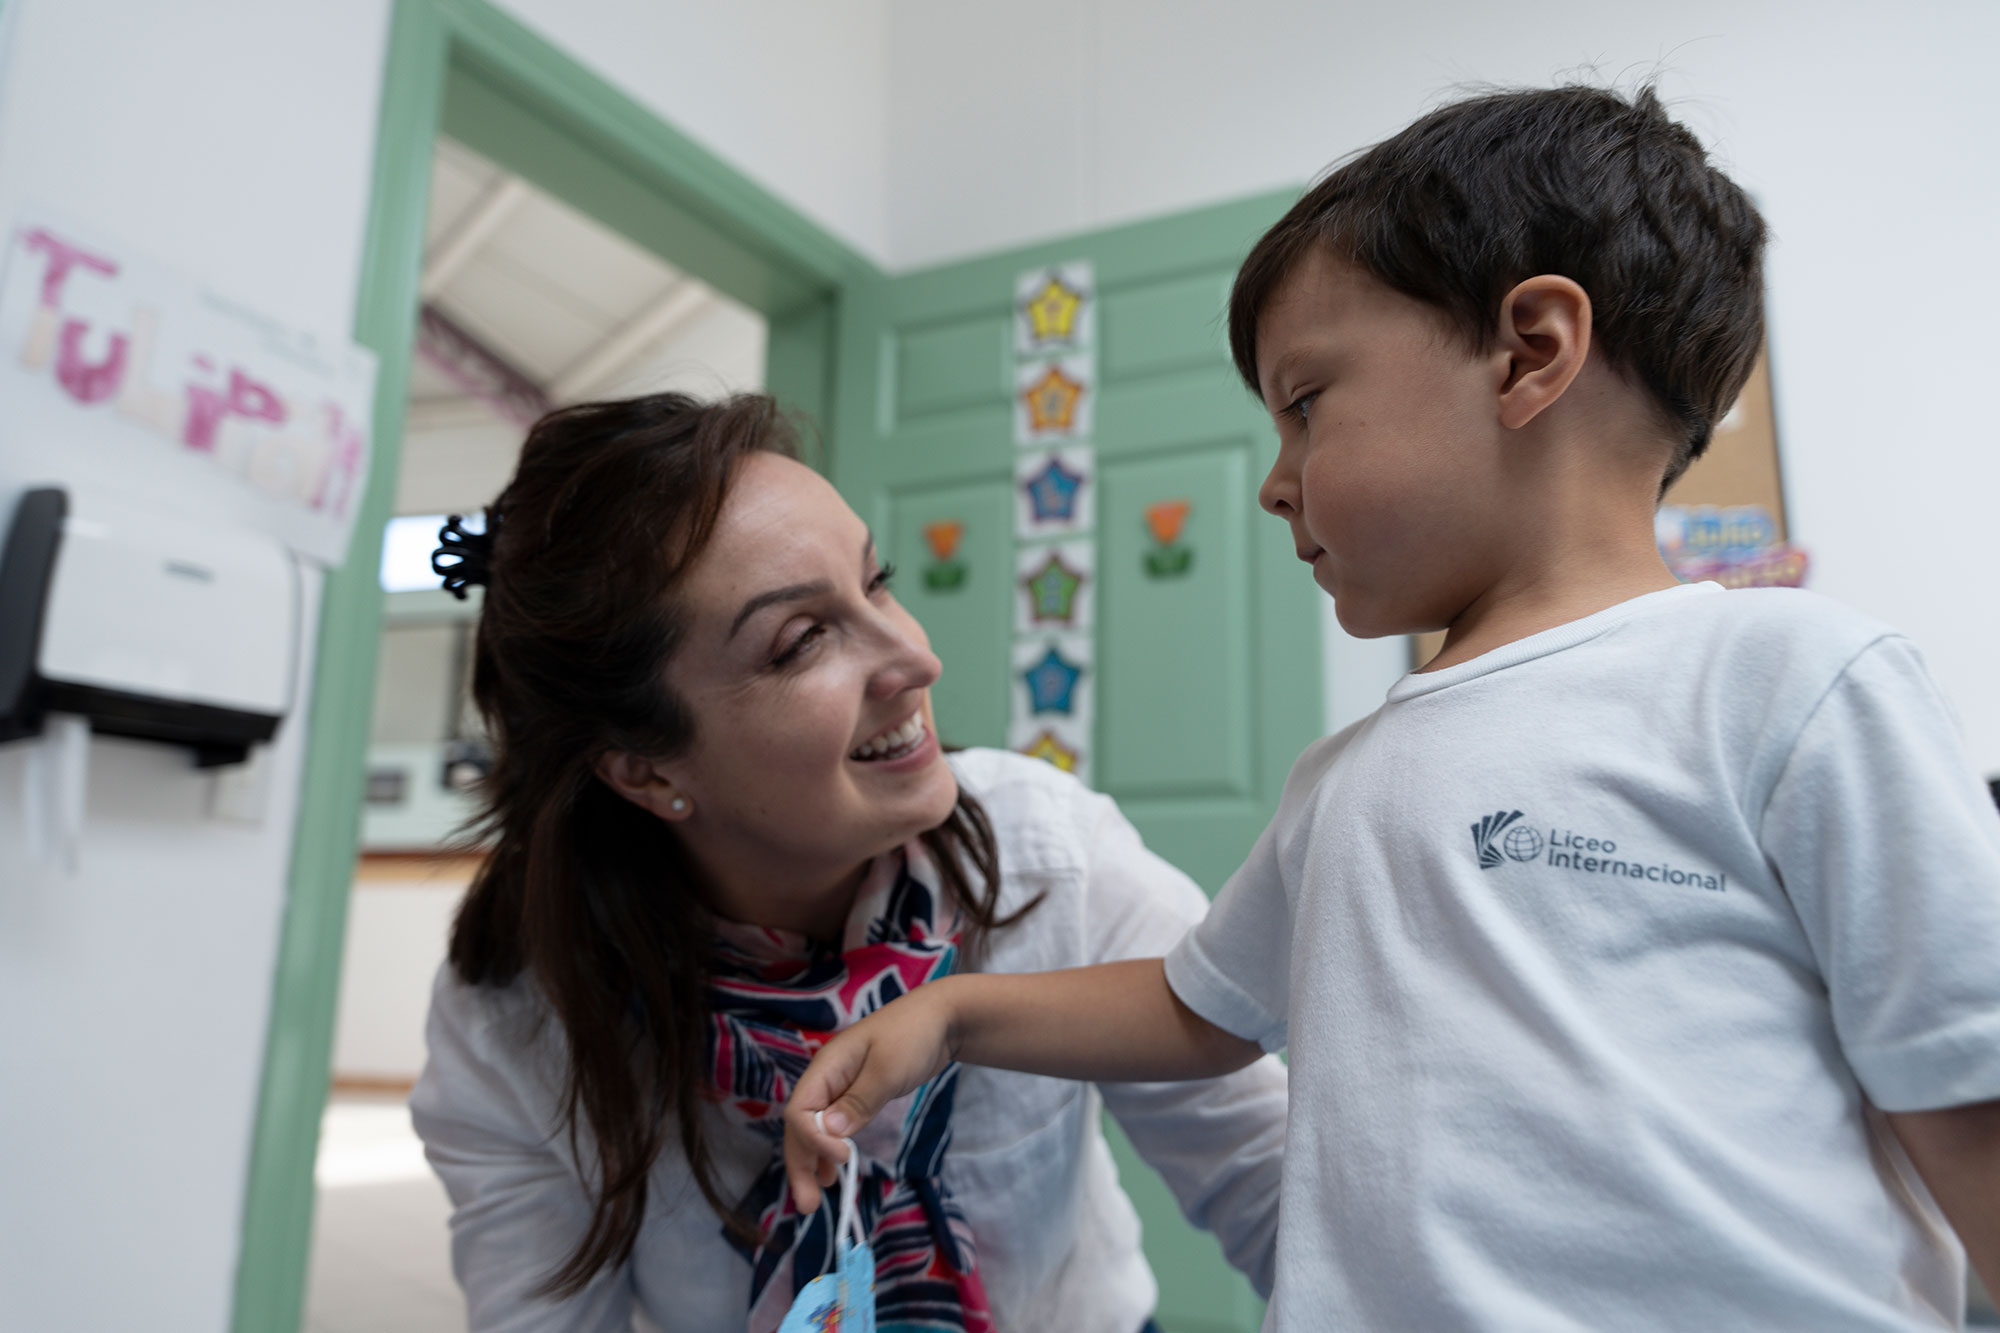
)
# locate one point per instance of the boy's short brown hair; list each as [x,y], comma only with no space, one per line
[1582,182]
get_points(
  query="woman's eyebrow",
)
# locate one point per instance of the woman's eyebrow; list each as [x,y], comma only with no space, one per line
[793,592]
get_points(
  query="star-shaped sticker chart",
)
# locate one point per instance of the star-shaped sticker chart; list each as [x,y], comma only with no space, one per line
[1052,683]
[1047,746]
[1052,399]
[1052,591]
[1052,311]
[1052,491]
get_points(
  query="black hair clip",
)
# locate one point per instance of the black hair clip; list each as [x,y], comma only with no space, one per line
[463,558]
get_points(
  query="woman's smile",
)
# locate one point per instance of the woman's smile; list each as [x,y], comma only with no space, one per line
[895,744]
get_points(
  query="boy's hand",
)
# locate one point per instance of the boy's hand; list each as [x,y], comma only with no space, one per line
[895,1050]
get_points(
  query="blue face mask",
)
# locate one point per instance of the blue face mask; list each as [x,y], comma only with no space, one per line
[842,1301]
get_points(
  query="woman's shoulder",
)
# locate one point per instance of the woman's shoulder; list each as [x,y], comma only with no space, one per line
[1042,817]
[491,1035]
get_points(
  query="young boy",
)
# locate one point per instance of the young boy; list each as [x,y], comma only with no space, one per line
[1633,950]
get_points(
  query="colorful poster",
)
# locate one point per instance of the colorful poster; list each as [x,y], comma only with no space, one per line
[1055,401]
[122,373]
[1734,545]
[1055,493]
[1055,310]
[1055,587]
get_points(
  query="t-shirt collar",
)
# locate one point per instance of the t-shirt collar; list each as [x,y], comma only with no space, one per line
[1543,644]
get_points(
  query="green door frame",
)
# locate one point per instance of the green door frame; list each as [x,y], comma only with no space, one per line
[463,68]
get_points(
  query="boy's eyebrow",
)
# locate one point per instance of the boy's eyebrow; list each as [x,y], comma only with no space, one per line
[1282,368]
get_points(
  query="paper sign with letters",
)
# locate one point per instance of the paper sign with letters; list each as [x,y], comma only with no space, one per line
[120,372]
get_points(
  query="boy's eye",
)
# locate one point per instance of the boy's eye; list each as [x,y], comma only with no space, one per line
[1300,409]
[883,577]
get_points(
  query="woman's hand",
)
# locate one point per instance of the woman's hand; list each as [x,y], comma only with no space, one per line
[895,1050]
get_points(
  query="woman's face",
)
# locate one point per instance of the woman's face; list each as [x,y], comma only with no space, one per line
[809,685]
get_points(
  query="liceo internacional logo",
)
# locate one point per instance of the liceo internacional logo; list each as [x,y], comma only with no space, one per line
[1501,835]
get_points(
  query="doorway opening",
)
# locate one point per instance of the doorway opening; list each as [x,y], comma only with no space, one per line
[528,305]
[463,73]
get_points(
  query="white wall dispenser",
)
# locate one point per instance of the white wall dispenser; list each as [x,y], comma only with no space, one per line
[145,625]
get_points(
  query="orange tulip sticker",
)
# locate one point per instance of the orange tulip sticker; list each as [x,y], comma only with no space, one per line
[1165,520]
[943,537]
[944,573]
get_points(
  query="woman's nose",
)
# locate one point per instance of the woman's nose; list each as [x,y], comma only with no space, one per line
[908,663]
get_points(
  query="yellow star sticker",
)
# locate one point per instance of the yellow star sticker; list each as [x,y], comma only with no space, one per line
[1052,311]
[1052,401]
[1046,746]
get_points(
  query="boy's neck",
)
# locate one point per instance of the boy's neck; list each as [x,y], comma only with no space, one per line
[1586,546]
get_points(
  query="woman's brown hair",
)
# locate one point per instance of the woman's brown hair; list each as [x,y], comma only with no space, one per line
[588,895]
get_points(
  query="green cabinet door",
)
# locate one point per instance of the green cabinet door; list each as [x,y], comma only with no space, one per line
[1208,672]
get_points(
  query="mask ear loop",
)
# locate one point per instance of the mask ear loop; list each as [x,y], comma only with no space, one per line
[847,1229]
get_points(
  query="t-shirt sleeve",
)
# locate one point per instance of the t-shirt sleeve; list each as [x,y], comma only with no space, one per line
[1889,848]
[1234,969]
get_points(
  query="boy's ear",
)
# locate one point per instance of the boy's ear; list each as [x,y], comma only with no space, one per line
[641,781]
[1545,338]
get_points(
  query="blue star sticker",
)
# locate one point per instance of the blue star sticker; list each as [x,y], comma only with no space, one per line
[1052,683]
[1052,491]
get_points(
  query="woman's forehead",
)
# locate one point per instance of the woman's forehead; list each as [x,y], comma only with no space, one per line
[779,519]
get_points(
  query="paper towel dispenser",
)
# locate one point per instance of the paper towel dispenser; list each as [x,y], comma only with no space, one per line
[148,625]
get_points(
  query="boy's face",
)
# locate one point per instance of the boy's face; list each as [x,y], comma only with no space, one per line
[1388,469]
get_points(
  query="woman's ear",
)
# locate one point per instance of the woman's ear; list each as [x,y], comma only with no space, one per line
[1545,336]
[643,783]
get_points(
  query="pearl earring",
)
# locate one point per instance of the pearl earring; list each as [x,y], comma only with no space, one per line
[679,805]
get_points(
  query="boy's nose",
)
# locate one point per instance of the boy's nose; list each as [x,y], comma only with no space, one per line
[1280,493]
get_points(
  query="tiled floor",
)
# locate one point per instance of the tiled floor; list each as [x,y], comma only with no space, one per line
[381,1260]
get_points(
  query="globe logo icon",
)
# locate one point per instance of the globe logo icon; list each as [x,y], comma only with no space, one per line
[1522,843]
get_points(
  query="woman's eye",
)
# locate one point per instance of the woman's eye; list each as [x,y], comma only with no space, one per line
[883,578]
[1301,408]
[792,651]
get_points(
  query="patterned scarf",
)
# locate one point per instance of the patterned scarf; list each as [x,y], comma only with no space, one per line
[776,998]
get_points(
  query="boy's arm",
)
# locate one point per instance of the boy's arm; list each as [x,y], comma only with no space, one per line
[1115,1021]
[1957,1152]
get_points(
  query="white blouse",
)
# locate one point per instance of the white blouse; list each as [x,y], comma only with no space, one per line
[1058,1241]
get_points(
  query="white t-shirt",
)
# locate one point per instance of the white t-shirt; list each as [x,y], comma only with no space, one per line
[1058,1241]
[1588,952]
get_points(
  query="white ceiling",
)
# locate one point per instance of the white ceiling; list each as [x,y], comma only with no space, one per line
[575,308]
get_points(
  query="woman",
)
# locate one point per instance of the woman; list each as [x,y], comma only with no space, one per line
[720,823]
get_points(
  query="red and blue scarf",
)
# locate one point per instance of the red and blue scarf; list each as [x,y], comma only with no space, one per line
[776,997]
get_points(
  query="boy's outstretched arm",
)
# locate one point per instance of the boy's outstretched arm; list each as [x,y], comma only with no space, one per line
[1957,1152]
[1115,1022]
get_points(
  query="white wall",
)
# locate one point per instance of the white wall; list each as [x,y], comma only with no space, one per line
[792,93]
[1870,133]
[235,142]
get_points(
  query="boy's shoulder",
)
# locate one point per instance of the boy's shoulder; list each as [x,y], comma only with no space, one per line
[1784,629]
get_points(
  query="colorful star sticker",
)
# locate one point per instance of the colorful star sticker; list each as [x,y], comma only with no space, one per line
[1052,684]
[943,537]
[1046,746]
[1052,492]
[1052,591]
[1052,401]
[1052,311]
[1165,519]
